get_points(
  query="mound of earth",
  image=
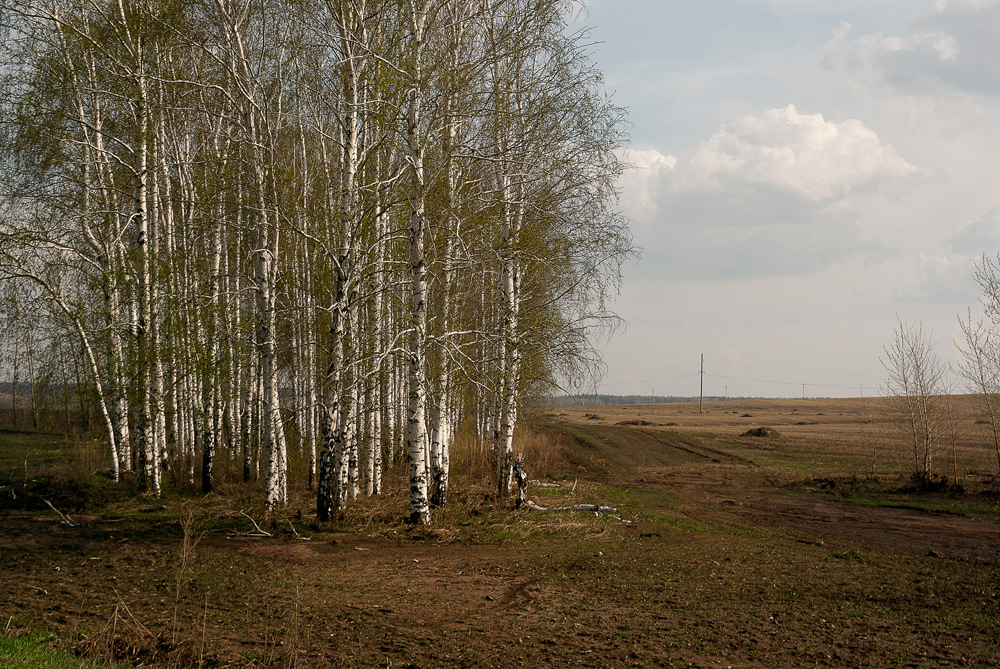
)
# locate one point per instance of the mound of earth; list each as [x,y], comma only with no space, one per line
[761,432]
[634,422]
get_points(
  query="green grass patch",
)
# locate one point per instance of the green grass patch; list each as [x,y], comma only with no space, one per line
[25,455]
[20,451]
[671,522]
[958,507]
[497,534]
[617,496]
[36,651]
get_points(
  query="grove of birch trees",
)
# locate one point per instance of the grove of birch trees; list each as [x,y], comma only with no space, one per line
[345,229]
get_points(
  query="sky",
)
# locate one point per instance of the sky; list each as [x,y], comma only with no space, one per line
[807,174]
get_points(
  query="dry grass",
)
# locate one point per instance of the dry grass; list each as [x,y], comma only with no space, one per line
[544,453]
[837,436]
[26,454]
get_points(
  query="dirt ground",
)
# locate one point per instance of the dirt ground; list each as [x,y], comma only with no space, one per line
[722,551]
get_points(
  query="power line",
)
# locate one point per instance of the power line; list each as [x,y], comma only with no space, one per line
[646,381]
[649,376]
[744,356]
[782,383]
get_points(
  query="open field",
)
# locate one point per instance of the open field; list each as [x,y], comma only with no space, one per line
[823,436]
[723,551]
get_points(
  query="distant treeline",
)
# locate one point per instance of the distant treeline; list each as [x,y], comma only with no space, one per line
[594,400]
[23,387]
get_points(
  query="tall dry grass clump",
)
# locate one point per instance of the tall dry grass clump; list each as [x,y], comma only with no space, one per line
[88,455]
[544,453]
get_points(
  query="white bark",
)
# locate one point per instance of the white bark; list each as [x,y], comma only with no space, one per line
[255,105]
[149,462]
[417,395]
[510,291]
[210,391]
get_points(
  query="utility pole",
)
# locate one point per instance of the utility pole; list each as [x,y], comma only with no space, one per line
[701,389]
[803,391]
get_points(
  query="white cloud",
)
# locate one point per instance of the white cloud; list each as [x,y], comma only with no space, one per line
[769,194]
[945,279]
[838,35]
[800,153]
[978,237]
[951,47]
[843,223]
[639,183]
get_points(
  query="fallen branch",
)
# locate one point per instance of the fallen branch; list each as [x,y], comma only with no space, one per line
[259,532]
[544,484]
[66,520]
[297,535]
[593,508]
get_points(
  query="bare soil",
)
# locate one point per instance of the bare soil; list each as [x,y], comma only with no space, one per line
[783,551]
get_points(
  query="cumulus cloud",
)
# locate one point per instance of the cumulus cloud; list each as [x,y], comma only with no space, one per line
[953,46]
[803,154]
[639,183]
[978,237]
[766,195]
[946,276]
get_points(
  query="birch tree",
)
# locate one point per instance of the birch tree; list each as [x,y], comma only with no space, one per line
[915,383]
[980,348]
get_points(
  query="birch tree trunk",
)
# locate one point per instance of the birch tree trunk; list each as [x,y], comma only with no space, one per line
[149,462]
[338,477]
[210,399]
[417,394]
[509,288]
[255,105]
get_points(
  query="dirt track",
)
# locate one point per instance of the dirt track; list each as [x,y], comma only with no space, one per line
[711,483]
